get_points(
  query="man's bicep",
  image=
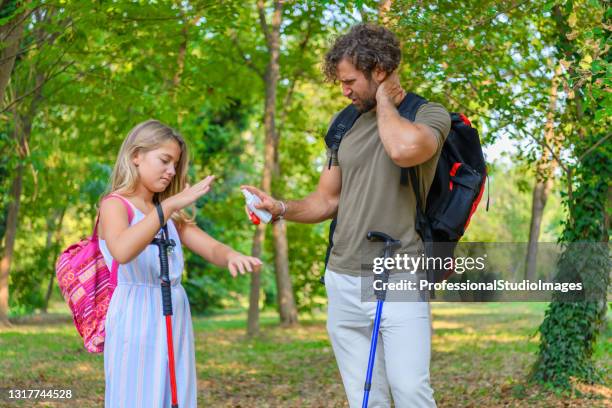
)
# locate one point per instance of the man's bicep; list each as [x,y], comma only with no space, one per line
[436,119]
[330,183]
[430,143]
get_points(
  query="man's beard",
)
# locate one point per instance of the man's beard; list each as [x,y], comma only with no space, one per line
[366,105]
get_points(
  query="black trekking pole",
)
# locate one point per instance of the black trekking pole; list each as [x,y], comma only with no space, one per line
[163,244]
[390,245]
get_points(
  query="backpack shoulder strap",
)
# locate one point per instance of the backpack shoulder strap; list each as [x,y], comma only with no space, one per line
[410,105]
[125,203]
[130,211]
[340,126]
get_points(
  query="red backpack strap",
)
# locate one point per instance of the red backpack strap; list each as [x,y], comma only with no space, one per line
[130,211]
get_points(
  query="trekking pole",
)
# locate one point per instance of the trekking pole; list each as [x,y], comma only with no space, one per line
[390,244]
[163,244]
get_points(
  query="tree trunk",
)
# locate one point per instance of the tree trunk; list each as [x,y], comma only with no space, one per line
[9,243]
[544,181]
[253,321]
[180,63]
[286,301]
[253,318]
[570,329]
[176,81]
[538,202]
[180,59]
[54,228]
[10,37]
[21,134]
[22,127]
[540,195]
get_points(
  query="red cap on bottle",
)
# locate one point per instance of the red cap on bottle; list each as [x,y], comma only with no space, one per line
[254,218]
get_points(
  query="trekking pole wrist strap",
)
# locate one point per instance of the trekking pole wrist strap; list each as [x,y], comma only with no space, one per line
[160,214]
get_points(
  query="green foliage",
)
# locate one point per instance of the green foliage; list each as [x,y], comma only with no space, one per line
[488,59]
[26,290]
[204,293]
[110,66]
[566,349]
[570,330]
[307,264]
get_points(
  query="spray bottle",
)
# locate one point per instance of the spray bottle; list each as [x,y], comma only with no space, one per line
[256,213]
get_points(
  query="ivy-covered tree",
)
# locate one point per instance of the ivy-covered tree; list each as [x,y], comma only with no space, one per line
[571,329]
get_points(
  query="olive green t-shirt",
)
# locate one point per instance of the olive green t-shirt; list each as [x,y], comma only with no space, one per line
[372,198]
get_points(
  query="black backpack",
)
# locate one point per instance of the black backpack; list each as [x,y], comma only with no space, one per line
[455,191]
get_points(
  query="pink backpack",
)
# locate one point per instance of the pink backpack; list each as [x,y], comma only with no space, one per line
[88,285]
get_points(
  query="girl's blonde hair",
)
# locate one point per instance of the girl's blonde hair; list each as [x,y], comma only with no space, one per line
[144,137]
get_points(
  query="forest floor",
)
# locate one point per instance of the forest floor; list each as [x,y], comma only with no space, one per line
[481,356]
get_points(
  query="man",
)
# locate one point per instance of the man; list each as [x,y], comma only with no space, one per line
[362,188]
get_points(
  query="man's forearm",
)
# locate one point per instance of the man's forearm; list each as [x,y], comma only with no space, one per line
[406,143]
[400,137]
[311,209]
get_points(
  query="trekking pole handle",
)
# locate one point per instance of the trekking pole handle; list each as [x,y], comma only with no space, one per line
[390,245]
[165,280]
[375,236]
[164,274]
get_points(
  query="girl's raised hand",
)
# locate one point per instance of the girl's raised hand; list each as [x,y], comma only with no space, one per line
[238,263]
[190,194]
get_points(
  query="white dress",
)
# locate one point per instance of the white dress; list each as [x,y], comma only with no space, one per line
[135,350]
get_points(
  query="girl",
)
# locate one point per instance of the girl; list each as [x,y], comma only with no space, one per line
[152,168]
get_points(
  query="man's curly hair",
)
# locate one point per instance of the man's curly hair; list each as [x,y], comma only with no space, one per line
[366,46]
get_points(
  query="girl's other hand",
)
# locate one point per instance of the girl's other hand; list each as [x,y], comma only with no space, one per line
[238,263]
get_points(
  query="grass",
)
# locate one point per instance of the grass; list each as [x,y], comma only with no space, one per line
[481,354]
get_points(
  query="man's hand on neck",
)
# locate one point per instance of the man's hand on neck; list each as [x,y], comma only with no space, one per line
[390,91]
[407,144]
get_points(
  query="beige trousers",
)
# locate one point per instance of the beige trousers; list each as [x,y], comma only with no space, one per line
[401,368]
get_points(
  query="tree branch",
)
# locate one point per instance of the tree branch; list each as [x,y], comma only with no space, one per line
[296,75]
[261,10]
[37,42]
[4,36]
[249,62]
[37,87]
[600,141]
